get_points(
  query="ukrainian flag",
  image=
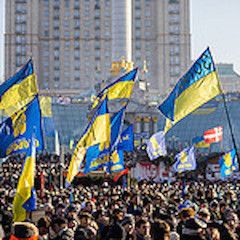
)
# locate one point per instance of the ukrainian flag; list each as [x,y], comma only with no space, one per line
[95,153]
[199,85]
[19,90]
[120,89]
[228,164]
[199,142]
[25,198]
[97,131]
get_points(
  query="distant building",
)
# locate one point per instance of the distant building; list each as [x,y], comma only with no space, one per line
[74,42]
[230,80]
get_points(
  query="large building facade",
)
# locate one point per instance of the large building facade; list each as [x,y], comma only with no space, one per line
[74,43]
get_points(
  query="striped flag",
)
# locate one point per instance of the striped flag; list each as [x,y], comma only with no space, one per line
[213,135]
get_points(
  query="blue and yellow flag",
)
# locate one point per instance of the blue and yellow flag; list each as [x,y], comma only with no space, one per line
[16,131]
[97,132]
[156,146]
[126,142]
[119,89]
[228,164]
[199,142]
[199,85]
[95,154]
[19,90]
[117,161]
[185,160]
[25,198]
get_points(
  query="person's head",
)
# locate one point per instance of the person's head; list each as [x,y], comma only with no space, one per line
[43,226]
[71,212]
[85,218]
[231,219]
[186,213]
[24,230]
[138,214]
[101,217]
[58,223]
[118,214]
[128,223]
[204,214]
[72,223]
[214,205]
[160,230]
[60,210]
[222,206]
[6,221]
[143,227]
[116,232]
[89,207]
[214,234]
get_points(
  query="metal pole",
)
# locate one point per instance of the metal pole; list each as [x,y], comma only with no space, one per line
[61,165]
[230,125]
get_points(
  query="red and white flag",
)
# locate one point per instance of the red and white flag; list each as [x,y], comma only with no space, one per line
[213,135]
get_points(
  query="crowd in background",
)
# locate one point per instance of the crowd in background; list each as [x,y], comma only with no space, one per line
[144,210]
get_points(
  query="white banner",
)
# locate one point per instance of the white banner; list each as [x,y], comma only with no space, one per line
[150,171]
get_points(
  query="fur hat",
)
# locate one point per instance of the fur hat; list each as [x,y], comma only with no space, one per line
[24,230]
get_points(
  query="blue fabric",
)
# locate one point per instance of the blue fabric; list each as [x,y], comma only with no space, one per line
[15,138]
[96,151]
[126,142]
[18,77]
[228,164]
[201,68]
[130,76]
[185,160]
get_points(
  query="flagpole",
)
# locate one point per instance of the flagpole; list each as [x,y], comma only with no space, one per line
[230,125]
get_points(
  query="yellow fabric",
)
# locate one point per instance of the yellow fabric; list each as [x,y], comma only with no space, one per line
[46,106]
[202,145]
[228,160]
[184,157]
[120,90]
[115,157]
[76,161]
[19,122]
[98,132]
[97,162]
[193,97]
[25,184]
[19,95]
[116,167]
[97,100]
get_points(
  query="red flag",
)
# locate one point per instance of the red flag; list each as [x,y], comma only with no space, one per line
[123,172]
[213,135]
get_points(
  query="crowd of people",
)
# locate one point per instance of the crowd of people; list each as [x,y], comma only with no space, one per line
[182,210]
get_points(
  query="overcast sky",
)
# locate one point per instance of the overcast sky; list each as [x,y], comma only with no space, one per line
[214,23]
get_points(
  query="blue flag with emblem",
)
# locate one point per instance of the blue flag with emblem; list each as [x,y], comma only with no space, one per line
[185,160]
[116,163]
[199,85]
[156,146]
[16,131]
[126,141]
[228,164]
[95,154]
